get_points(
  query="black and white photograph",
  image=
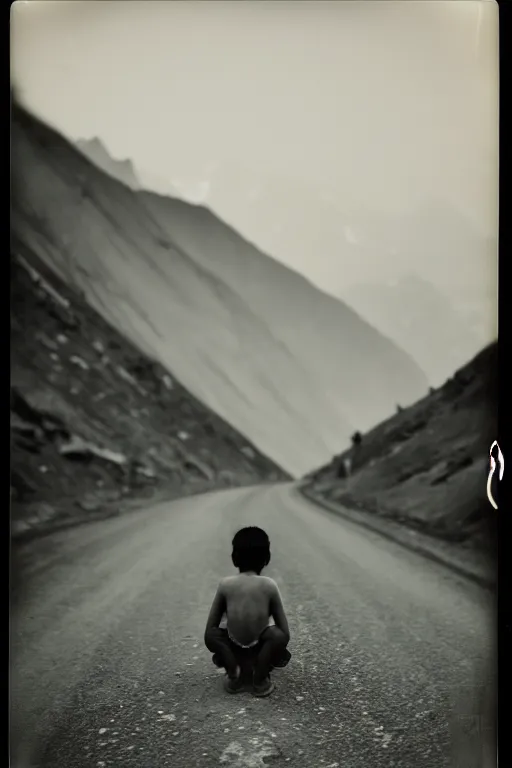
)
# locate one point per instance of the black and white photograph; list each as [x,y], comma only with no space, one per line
[254,463]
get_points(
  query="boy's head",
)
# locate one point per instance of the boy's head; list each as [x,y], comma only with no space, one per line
[251,550]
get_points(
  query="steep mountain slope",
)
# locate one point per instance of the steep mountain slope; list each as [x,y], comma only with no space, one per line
[122,170]
[295,370]
[427,466]
[420,319]
[93,421]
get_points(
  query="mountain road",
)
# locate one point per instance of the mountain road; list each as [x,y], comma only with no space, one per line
[392,654]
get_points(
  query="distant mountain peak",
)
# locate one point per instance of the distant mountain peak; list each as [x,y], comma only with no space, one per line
[95,142]
[122,170]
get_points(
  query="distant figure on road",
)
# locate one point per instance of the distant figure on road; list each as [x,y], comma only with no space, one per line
[249,601]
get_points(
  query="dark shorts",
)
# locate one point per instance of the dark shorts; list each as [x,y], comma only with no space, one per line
[249,654]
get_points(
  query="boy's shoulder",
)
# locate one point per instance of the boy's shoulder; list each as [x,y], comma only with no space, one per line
[270,583]
[265,582]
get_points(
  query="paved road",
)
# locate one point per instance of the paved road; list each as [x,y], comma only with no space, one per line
[391,653]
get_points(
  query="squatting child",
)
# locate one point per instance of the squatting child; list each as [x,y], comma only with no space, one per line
[249,601]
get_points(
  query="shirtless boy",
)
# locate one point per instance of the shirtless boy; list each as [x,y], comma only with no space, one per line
[249,601]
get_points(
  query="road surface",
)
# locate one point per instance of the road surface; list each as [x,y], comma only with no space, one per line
[392,654]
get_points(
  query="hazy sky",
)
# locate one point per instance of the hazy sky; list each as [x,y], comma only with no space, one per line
[387,103]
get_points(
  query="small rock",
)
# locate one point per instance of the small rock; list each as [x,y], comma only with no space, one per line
[98,346]
[46,342]
[146,471]
[89,505]
[62,339]
[78,447]
[123,373]
[76,360]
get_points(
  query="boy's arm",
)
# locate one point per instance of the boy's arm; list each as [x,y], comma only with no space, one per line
[217,610]
[277,611]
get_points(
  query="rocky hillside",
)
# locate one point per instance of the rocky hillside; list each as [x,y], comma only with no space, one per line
[290,367]
[427,466]
[94,421]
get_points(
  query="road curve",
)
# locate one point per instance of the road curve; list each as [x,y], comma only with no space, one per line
[392,654]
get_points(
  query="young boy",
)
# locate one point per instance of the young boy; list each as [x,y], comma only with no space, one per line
[249,600]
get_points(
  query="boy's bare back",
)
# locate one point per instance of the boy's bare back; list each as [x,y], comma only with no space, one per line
[247,599]
[250,601]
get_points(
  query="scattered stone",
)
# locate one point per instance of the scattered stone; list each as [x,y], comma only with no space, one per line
[79,448]
[25,428]
[123,373]
[167,381]
[79,362]
[89,504]
[46,342]
[98,346]
[62,339]
[145,471]
[183,436]
[45,512]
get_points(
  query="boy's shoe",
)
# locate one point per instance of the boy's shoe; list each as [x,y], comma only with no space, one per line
[233,684]
[264,688]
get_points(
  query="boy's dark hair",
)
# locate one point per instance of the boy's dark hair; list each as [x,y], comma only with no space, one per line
[251,549]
